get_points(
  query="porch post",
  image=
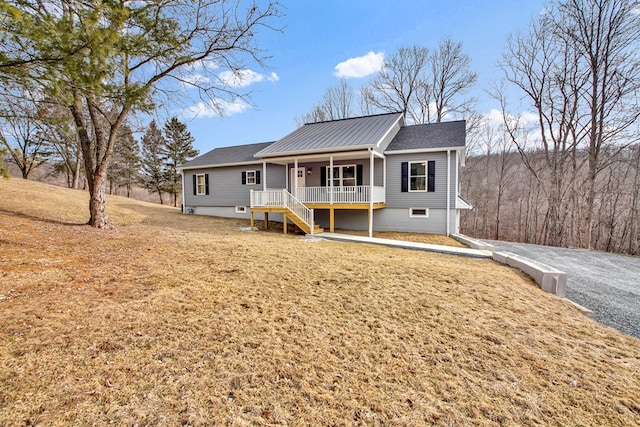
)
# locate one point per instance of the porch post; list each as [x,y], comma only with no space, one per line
[264,175]
[448,191]
[332,219]
[295,181]
[331,179]
[286,176]
[384,173]
[371,162]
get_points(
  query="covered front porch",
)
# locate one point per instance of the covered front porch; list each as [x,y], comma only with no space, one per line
[353,180]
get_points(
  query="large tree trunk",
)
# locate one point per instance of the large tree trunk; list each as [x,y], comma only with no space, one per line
[97,202]
[96,155]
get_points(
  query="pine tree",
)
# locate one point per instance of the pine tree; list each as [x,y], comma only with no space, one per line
[153,176]
[178,148]
[124,169]
[4,172]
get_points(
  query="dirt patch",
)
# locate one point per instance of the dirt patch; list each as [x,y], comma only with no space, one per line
[169,319]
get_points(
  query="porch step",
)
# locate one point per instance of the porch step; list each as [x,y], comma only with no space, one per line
[302,226]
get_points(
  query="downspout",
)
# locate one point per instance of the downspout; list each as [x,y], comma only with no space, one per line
[448,191]
[182,209]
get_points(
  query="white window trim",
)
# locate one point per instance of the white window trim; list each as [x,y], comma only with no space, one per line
[241,209]
[204,185]
[252,172]
[412,215]
[341,178]
[426,177]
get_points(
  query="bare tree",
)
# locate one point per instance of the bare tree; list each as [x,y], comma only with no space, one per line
[396,87]
[337,103]
[605,35]
[21,136]
[426,86]
[579,68]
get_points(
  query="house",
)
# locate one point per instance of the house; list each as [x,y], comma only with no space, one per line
[363,173]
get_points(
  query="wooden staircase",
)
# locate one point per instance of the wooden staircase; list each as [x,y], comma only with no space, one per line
[301,224]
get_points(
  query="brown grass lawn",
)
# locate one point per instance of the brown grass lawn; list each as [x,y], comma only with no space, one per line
[170,320]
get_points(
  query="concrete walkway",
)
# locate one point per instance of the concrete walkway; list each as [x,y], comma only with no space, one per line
[450,250]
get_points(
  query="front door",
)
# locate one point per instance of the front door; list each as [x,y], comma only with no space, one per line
[298,176]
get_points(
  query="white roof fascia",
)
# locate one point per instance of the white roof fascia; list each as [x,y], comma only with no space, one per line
[462,204]
[400,117]
[220,165]
[423,150]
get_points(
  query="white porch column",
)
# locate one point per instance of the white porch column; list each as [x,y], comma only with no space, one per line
[448,191]
[264,175]
[295,176]
[371,162]
[331,179]
[286,176]
[384,173]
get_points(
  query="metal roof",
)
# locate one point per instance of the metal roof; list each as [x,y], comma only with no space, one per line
[430,136]
[336,135]
[227,155]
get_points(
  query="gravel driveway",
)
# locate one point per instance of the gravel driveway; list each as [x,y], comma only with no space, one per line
[608,284]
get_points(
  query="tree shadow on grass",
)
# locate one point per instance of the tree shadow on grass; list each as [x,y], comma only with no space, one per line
[41,219]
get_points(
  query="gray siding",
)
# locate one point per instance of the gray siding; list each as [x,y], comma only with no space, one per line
[390,219]
[437,199]
[225,185]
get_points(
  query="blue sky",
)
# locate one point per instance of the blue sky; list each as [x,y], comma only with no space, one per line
[319,35]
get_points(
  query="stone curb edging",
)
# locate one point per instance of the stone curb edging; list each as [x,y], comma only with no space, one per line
[548,278]
[473,243]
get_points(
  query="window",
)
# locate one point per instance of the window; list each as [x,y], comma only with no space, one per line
[418,176]
[201,184]
[419,212]
[241,209]
[343,176]
[250,177]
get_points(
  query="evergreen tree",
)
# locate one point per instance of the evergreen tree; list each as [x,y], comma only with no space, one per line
[4,172]
[153,176]
[125,165]
[178,148]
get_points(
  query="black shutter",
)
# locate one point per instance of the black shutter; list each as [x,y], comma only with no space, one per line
[206,184]
[323,176]
[431,176]
[404,185]
[195,184]
[244,178]
[359,175]
[257,177]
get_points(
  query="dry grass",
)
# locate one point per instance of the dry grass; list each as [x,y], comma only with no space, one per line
[182,320]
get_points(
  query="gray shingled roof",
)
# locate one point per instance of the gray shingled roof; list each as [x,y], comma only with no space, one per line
[227,155]
[432,135]
[336,135]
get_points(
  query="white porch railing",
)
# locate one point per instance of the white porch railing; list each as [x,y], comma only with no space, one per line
[349,194]
[283,199]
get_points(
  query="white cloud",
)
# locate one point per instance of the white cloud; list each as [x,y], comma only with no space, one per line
[243,78]
[361,66]
[218,107]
